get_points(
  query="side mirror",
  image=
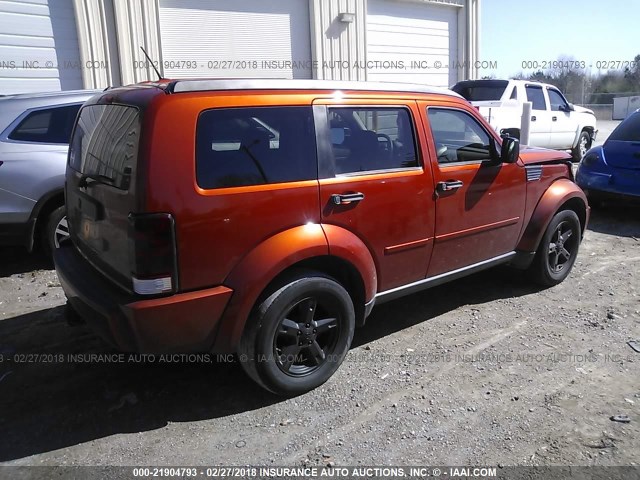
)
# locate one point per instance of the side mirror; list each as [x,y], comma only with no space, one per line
[571,107]
[510,150]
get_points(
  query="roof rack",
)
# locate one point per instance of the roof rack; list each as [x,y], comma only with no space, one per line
[201,85]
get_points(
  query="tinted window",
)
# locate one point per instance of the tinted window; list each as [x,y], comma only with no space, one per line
[628,130]
[105,142]
[556,100]
[369,139]
[536,97]
[482,90]
[51,125]
[251,146]
[458,137]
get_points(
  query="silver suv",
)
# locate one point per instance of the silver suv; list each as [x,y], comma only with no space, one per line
[34,140]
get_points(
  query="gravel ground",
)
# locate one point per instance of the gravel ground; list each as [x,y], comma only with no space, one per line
[486,370]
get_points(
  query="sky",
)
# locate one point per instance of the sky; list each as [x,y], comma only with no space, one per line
[596,32]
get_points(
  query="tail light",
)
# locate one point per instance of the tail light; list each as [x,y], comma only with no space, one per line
[153,253]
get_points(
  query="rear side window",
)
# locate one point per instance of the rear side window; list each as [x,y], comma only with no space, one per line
[252,146]
[50,125]
[105,143]
[371,139]
[536,97]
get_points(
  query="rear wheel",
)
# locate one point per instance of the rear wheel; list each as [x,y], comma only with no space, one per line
[558,249]
[584,144]
[299,335]
[56,230]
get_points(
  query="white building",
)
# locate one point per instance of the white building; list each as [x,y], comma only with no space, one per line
[72,44]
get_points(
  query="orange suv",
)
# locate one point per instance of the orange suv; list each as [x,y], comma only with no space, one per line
[267,217]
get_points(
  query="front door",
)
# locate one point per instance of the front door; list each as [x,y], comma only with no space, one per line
[374,184]
[563,127]
[540,128]
[480,202]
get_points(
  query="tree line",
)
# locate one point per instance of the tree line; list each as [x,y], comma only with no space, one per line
[582,87]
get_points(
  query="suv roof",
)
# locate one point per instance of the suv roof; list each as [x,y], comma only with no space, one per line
[47,95]
[224,84]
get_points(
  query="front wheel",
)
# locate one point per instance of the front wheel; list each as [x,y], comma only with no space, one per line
[584,144]
[558,249]
[299,335]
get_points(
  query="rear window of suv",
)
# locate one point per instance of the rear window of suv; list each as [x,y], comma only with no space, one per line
[480,91]
[251,146]
[105,143]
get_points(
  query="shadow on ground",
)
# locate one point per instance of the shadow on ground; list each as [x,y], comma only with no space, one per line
[54,394]
[616,218]
[18,260]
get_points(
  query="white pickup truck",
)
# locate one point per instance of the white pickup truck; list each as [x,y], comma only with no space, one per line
[555,123]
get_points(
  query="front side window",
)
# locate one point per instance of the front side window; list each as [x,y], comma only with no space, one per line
[536,97]
[371,139]
[556,100]
[458,137]
[253,146]
[50,125]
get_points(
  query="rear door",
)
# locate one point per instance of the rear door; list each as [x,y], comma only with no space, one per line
[480,203]
[374,183]
[33,156]
[101,188]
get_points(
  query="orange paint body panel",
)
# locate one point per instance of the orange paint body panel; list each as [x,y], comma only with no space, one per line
[182,321]
[261,266]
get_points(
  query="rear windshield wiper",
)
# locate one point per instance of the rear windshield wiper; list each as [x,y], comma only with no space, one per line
[94,177]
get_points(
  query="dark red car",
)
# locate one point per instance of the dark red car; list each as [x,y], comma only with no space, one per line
[267,217]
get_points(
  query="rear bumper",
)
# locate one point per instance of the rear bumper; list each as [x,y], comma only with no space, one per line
[179,323]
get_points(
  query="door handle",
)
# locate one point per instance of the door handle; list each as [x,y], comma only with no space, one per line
[533,118]
[346,198]
[449,185]
[555,119]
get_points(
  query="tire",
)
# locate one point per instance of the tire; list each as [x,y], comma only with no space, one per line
[584,144]
[299,335]
[554,259]
[56,231]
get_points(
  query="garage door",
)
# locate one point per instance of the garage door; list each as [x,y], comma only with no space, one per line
[38,47]
[411,42]
[229,38]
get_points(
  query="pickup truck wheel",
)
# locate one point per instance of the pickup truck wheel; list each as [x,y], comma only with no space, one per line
[299,335]
[558,249]
[584,144]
